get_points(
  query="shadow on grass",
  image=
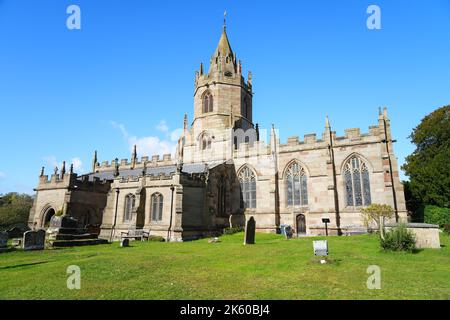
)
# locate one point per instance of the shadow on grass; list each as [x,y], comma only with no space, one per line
[24,265]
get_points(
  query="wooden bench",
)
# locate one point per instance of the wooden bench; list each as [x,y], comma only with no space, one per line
[136,234]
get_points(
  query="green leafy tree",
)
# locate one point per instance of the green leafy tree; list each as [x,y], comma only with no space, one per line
[377,213]
[428,167]
[14,209]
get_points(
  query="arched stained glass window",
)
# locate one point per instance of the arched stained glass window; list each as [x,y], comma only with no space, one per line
[357,183]
[157,207]
[130,200]
[296,185]
[247,180]
[208,102]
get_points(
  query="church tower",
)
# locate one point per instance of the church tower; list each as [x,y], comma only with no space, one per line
[222,97]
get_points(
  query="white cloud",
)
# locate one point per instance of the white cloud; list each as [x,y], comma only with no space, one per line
[51,162]
[77,165]
[151,145]
[162,126]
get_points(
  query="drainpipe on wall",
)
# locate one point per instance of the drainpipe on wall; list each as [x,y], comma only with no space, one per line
[172,188]
[113,229]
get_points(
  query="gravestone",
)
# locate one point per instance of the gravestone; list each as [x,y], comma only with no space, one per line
[288,232]
[320,248]
[250,231]
[34,240]
[125,243]
[3,239]
[16,243]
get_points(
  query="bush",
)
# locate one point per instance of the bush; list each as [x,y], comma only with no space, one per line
[399,239]
[447,228]
[436,215]
[232,230]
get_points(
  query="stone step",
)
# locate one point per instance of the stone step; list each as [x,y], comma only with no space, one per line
[76,243]
[85,236]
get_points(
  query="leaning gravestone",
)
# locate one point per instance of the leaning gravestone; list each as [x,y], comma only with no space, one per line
[3,239]
[250,231]
[34,240]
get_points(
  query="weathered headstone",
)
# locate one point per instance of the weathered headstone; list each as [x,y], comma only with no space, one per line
[124,242]
[34,240]
[320,248]
[17,242]
[3,239]
[288,232]
[250,231]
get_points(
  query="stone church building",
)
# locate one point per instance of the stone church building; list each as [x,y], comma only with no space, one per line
[223,173]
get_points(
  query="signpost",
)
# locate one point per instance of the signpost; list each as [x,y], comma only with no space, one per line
[326,221]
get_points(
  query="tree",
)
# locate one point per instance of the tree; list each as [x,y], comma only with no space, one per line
[14,209]
[377,213]
[428,167]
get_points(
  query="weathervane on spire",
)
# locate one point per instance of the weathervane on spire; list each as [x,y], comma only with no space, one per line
[225,20]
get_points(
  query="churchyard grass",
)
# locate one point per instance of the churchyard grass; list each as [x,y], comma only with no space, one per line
[273,268]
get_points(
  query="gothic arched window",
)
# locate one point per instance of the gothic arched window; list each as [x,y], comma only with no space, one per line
[208,102]
[296,185]
[357,183]
[130,200]
[205,141]
[157,207]
[247,179]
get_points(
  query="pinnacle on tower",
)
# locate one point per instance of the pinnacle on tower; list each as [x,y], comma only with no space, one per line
[94,161]
[63,169]
[134,157]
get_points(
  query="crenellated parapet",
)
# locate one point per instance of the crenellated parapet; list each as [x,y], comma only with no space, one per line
[145,161]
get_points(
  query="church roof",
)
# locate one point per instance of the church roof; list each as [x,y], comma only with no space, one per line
[187,168]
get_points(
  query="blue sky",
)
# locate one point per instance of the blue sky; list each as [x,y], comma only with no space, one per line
[127,76]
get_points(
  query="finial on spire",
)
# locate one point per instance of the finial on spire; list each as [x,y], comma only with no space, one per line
[42,171]
[71,168]
[327,122]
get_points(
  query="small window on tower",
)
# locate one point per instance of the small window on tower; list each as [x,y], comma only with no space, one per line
[208,102]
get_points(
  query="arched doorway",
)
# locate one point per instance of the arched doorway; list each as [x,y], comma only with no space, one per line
[301,225]
[47,217]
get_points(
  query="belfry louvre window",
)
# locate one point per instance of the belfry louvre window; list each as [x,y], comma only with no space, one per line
[208,102]
[157,206]
[129,206]
[357,183]
[296,185]
[247,180]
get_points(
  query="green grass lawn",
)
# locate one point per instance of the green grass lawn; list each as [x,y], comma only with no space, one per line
[273,268]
